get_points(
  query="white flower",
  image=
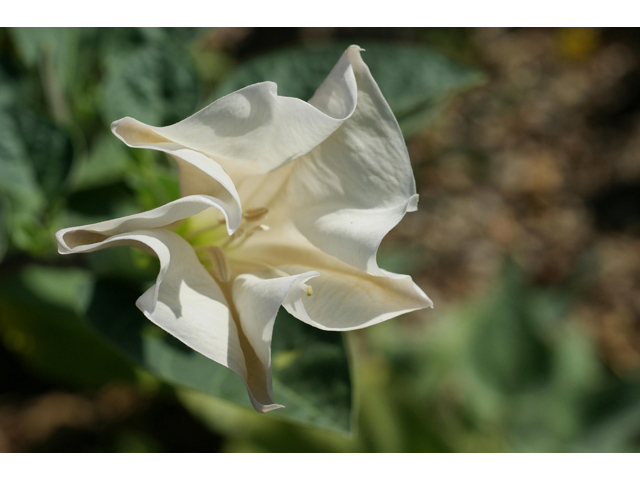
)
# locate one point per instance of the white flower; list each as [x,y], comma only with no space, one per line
[284,202]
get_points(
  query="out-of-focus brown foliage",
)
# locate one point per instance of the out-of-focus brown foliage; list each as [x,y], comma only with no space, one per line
[542,164]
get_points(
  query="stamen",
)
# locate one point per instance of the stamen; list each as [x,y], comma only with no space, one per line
[309,290]
[244,236]
[256,228]
[237,234]
[221,268]
[254,214]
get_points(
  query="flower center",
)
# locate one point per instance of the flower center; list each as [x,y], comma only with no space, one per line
[209,238]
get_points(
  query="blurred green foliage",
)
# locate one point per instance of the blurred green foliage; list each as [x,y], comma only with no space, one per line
[466,383]
[503,372]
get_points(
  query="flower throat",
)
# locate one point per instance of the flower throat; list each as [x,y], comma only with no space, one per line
[212,242]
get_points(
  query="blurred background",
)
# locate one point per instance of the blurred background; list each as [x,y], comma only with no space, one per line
[525,145]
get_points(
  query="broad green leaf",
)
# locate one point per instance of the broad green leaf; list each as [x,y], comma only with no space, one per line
[35,160]
[507,350]
[48,150]
[311,368]
[613,420]
[54,54]
[153,84]
[106,163]
[4,240]
[34,156]
[9,88]
[61,44]
[414,80]
[18,180]
[40,321]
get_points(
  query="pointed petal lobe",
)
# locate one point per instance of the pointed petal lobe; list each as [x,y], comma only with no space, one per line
[357,185]
[341,297]
[70,239]
[257,298]
[253,130]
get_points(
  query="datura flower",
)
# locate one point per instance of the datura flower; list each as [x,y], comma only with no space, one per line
[284,202]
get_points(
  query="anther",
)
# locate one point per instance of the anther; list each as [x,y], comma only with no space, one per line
[254,214]
[307,289]
[220,262]
[244,235]
[256,228]
[237,234]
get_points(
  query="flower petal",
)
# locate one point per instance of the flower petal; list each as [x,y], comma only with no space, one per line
[341,297]
[71,240]
[257,298]
[357,185]
[198,173]
[187,303]
[253,130]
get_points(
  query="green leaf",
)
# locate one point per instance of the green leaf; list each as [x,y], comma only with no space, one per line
[35,161]
[18,180]
[49,151]
[310,367]
[414,80]
[613,424]
[40,320]
[9,89]
[311,373]
[60,43]
[507,349]
[4,240]
[152,84]
[34,156]
[106,163]
[54,54]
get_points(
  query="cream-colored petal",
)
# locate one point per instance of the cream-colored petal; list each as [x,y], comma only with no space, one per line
[346,194]
[253,130]
[72,238]
[199,174]
[341,297]
[257,298]
[187,303]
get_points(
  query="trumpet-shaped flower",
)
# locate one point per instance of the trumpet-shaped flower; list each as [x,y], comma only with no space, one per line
[284,202]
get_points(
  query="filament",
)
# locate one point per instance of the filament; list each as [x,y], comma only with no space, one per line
[221,268]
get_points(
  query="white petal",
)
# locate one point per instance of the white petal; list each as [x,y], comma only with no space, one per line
[187,303]
[198,173]
[357,185]
[253,130]
[257,299]
[342,297]
[74,239]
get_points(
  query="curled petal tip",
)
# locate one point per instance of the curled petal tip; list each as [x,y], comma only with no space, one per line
[412,204]
[260,408]
[353,53]
[269,408]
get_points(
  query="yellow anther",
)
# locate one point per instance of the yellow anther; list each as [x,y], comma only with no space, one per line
[221,268]
[309,291]
[254,214]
